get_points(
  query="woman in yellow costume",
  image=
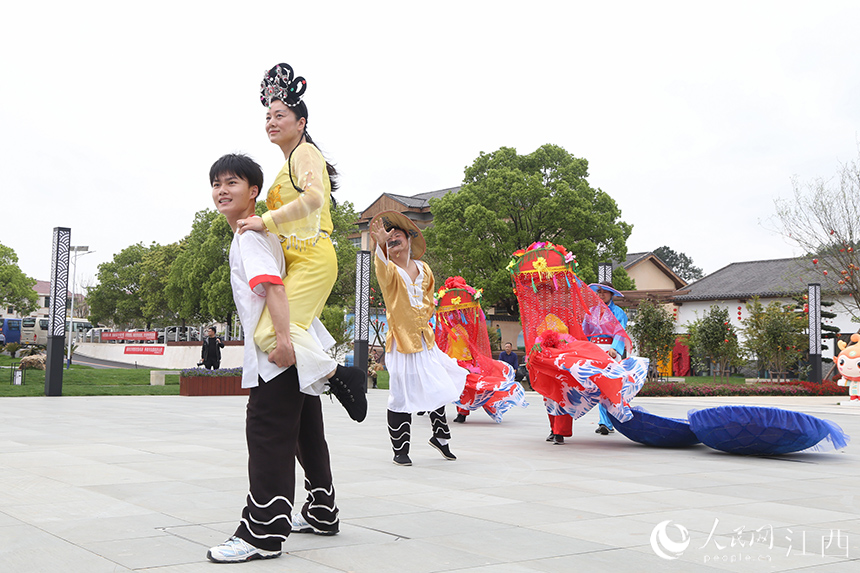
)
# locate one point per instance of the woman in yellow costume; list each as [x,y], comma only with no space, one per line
[299,203]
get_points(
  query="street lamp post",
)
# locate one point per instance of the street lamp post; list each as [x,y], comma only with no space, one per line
[71,329]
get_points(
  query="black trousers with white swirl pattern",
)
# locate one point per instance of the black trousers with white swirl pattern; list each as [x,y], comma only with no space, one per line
[282,424]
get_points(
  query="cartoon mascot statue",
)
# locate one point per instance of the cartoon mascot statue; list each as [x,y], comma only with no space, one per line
[848,363]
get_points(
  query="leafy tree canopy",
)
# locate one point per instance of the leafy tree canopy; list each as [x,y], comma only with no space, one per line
[681,264]
[508,201]
[117,298]
[714,337]
[653,330]
[775,334]
[155,271]
[16,288]
[198,286]
[343,218]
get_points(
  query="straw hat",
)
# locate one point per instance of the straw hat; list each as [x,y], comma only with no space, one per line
[603,286]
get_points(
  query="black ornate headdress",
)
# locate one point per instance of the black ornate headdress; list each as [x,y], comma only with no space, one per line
[281,83]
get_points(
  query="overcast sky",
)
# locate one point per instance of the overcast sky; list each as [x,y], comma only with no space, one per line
[694,116]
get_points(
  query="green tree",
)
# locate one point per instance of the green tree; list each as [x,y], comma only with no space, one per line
[338,325]
[775,335]
[681,264]
[653,331]
[199,267]
[713,338]
[212,268]
[16,288]
[155,272]
[508,201]
[117,299]
[343,218]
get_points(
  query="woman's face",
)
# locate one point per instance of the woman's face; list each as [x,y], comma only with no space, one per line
[282,126]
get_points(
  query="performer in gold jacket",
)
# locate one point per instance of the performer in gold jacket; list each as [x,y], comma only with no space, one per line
[422,378]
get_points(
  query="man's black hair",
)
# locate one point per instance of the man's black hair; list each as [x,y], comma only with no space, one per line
[239,165]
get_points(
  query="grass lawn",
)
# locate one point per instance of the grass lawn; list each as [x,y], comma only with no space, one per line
[382,379]
[88,381]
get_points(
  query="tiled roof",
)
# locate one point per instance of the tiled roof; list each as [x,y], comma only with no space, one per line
[772,278]
[632,259]
[422,199]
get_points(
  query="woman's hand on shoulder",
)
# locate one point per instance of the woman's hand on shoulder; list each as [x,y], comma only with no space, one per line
[253,223]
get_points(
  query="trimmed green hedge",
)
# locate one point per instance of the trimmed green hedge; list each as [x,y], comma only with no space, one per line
[791,388]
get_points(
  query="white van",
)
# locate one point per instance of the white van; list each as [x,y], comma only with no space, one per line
[34,330]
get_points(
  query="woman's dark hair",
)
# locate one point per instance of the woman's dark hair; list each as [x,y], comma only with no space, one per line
[301,111]
[239,165]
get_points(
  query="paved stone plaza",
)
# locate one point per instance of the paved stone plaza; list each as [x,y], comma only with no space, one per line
[117,484]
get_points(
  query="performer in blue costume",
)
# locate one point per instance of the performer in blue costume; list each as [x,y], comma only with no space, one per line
[613,344]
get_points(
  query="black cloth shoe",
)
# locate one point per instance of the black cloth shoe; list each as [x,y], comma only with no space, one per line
[402,460]
[460,419]
[550,437]
[558,440]
[444,450]
[602,430]
[349,387]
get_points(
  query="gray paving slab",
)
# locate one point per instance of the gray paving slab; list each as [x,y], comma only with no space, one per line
[149,483]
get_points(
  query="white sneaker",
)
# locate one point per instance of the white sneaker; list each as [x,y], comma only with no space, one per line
[301,525]
[236,550]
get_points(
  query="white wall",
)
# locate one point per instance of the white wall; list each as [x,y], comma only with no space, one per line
[690,311]
[174,357]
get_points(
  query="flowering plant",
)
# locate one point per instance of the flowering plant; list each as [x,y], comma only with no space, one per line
[220,373]
[793,388]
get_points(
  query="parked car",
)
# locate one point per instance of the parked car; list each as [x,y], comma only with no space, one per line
[184,333]
[93,334]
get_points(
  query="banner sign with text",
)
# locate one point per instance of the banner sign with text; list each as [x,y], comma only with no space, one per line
[155,350]
[130,335]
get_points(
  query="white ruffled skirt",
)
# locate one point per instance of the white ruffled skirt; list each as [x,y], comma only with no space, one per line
[423,381]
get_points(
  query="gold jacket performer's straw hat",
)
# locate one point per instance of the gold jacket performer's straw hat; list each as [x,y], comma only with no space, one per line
[392,219]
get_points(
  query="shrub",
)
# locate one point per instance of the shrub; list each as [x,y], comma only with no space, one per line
[222,372]
[12,348]
[654,333]
[791,388]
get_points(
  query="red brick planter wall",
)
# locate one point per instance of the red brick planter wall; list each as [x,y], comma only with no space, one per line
[212,386]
